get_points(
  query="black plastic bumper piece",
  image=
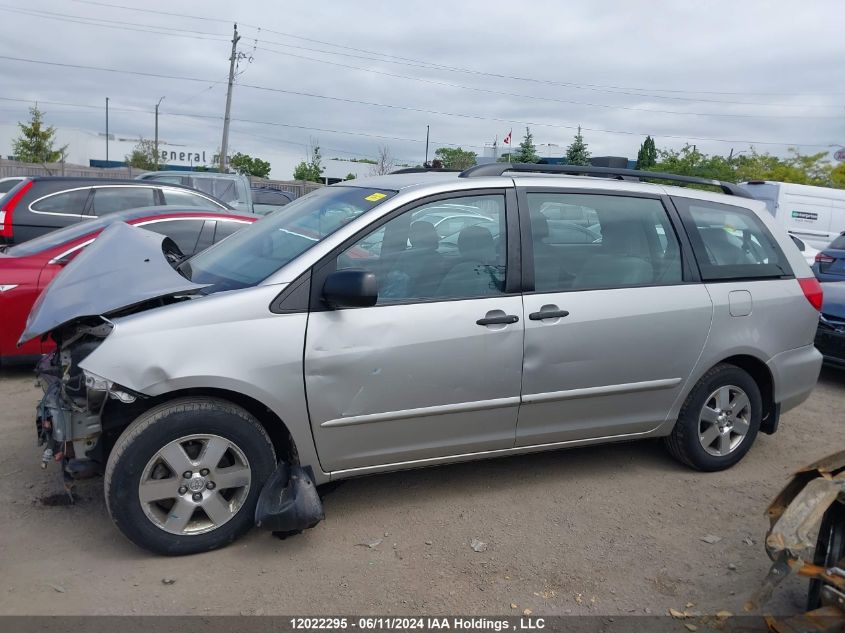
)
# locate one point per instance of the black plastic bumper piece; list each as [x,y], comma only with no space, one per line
[289,501]
[769,426]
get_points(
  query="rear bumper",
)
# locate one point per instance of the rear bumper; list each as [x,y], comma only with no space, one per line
[830,341]
[795,373]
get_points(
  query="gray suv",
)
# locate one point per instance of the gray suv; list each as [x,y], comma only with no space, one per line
[346,336]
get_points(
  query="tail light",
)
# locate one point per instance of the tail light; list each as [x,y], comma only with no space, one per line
[813,291]
[821,258]
[6,229]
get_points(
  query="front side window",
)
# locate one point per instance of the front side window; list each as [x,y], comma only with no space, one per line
[730,242]
[256,252]
[413,261]
[65,203]
[112,199]
[585,241]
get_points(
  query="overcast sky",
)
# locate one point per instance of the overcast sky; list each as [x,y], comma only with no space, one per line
[768,74]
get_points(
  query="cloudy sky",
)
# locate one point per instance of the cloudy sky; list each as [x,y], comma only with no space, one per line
[356,75]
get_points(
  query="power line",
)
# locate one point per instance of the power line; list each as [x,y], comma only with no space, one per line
[193,34]
[110,24]
[455,68]
[381,137]
[554,99]
[409,108]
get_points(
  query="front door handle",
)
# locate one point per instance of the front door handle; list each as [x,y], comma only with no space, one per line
[505,319]
[545,313]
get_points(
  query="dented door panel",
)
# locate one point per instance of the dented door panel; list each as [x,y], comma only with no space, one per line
[398,383]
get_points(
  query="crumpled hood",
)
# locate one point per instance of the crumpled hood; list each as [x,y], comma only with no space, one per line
[123,267]
[834,299]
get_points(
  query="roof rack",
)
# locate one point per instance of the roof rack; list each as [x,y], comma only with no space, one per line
[498,169]
[420,170]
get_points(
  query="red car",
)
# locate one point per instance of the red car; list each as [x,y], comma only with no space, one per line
[26,269]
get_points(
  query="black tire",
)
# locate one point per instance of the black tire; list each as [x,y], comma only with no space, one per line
[683,442]
[830,549]
[151,432]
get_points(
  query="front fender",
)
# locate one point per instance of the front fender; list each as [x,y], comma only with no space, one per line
[229,341]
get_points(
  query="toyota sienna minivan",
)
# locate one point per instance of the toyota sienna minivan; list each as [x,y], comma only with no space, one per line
[346,336]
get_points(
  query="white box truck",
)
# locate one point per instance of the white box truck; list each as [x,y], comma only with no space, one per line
[815,215]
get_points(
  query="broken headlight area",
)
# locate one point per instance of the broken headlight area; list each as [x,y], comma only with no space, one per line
[69,416]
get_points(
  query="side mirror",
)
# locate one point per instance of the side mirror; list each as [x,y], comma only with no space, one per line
[350,289]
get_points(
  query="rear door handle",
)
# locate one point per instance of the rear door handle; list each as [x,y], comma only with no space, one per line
[548,314]
[498,320]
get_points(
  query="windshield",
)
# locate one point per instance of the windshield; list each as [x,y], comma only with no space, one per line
[256,252]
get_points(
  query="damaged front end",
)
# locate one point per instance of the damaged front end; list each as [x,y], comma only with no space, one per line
[126,270]
[69,416]
[807,538]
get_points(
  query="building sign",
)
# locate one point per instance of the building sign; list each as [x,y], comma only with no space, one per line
[194,158]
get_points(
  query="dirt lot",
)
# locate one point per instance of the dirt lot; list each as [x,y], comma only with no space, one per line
[606,530]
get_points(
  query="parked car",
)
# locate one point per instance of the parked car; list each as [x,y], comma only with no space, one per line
[814,214]
[336,339]
[233,189]
[42,204]
[829,264]
[266,200]
[7,184]
[830,337]
[26,269]
[807,251]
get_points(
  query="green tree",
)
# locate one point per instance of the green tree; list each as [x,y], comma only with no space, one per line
[248,166]
[35,144]
[647,156]
[455,158]
[143,155]
[577,153]
[526,152]
[837,176]
[312,169]
[350,176]
[689,161]
[808,169]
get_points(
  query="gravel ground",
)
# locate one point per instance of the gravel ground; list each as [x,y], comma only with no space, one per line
[603,530]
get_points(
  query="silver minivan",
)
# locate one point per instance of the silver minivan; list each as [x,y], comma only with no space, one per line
[346,336]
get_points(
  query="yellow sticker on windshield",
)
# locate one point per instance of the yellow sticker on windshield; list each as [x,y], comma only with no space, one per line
[375,197]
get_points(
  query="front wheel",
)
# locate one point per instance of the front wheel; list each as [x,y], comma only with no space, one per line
[185,476]
[718,421]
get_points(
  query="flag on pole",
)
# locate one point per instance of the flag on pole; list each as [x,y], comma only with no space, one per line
[507,139]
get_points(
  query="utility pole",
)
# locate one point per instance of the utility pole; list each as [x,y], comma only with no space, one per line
[155,144]
[107,131]
[225,144]
[426,144]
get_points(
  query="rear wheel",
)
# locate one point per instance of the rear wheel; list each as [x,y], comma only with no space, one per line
[718,421]
[185,476]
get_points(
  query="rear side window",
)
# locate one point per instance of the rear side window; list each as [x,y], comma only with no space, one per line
[184,232]
[181,198]
[64,203]
[111,199]
[731,242]
[587,242]
[838,243]
[225,189]
[225,229]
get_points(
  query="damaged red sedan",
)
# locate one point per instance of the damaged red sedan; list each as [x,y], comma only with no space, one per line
[26,269]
